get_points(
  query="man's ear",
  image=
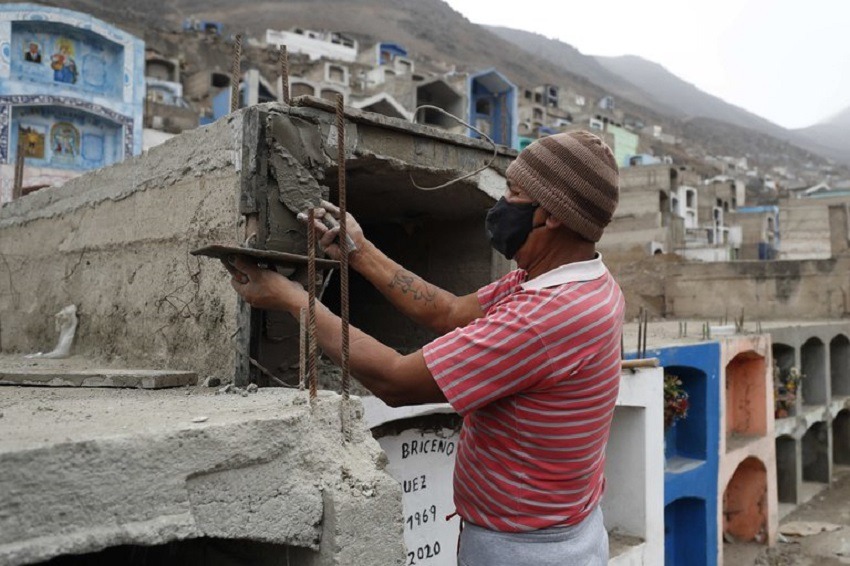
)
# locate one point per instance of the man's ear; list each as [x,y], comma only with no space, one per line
[551,222]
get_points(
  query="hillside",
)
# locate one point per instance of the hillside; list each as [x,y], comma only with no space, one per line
[430,29]
[680,96]
[433,32]
[568,57]
[831,135]
[651,85]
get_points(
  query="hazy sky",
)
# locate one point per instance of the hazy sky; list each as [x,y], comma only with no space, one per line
[786,60]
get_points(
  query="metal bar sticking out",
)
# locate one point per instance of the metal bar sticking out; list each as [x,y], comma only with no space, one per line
[302,349]
[235,73]
[283,61]
[645,332]
[343,260]
[312,346]
[18,183]
[640,330]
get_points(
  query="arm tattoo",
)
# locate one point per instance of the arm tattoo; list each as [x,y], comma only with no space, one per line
[408,283]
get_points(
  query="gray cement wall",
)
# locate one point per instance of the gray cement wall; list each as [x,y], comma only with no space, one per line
[767,290]
[804,231]
[115,242]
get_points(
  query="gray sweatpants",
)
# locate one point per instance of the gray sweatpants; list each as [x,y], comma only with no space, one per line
[585,544]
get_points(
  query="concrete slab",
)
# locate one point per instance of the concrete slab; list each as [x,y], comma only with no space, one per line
[82,470]
[134,378]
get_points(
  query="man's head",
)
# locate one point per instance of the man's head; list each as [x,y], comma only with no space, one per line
[574,177]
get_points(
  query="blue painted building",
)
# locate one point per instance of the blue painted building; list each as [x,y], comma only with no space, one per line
[387,53]
[691,450]
[493,107]
[71,92]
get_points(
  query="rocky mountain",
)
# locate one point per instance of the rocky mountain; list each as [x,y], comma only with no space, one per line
[682,97]
[433,32]
[653,86]
[677,95]
[832,135]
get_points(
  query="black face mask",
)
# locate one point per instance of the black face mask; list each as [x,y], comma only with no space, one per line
[509,224]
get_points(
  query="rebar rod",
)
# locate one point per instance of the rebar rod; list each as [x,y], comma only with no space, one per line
[283,61]
[343,260]
[312,346]
[302,349]
[235,73]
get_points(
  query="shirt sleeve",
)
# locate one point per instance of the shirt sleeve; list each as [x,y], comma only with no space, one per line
[491,294]
[495,356]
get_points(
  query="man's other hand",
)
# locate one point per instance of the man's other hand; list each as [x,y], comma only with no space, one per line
[263,288]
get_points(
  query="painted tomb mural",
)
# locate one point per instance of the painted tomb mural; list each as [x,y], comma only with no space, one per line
[53,53]
[67,138]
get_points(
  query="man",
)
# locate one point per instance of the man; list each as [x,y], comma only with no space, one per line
[33,55]
[532,361]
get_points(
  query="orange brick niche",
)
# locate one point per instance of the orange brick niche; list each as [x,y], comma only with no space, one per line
[745,502]
[746,410]
[747,466]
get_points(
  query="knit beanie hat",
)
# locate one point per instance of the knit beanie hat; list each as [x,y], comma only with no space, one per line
[574,176]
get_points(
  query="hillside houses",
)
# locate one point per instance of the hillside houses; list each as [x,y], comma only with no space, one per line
[669,204]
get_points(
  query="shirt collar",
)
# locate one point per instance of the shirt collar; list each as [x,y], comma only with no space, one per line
[569,273]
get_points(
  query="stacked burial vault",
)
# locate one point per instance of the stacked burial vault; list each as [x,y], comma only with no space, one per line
[719,479]
[813,440]
[732,467]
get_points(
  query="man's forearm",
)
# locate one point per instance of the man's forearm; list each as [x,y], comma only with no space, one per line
[378,367]
[424,303]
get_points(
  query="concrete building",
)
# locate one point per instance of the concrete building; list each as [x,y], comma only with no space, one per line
[71,94]
[760,231]
[808,225]
[540,111]
[443,94]
[315,44]
[664,208]
[658,212]
[493,106]
[626,143]
[165,111]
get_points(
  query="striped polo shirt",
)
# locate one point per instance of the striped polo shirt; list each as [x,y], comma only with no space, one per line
[535,379]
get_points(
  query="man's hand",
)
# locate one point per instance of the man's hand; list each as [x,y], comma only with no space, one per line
[329,237]
[263,288]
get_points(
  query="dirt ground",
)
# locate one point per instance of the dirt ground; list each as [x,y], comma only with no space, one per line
[824,549]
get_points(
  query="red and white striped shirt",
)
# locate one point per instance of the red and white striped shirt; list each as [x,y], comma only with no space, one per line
[536,379]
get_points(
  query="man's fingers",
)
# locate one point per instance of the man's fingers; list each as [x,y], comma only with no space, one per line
[318,224]
[330,207]
[329,237]
[232,270]
[243,269]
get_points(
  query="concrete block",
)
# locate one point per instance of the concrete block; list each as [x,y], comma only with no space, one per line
[86,470]
[138,378]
